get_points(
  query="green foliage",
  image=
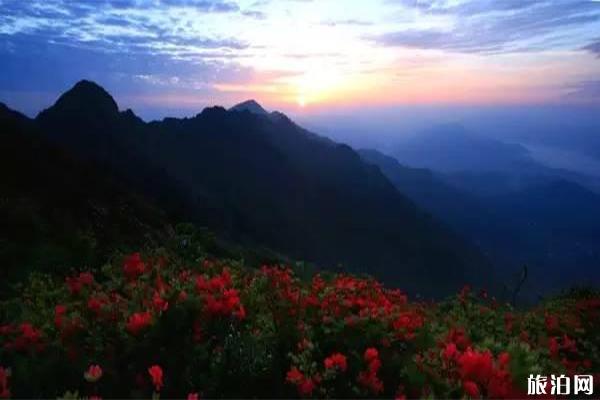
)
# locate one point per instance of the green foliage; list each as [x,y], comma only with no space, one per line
[223,329]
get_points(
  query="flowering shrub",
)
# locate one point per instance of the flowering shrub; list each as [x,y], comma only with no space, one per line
[157,326]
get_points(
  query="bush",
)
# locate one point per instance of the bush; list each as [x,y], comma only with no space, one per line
[153,325]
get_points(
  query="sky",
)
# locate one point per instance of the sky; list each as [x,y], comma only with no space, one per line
[173,57]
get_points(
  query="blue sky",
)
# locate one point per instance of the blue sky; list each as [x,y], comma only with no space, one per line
[163,57]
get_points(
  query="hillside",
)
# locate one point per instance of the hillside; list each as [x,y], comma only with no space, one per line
[161,325]
[551,225]
[261,180]
[58,211]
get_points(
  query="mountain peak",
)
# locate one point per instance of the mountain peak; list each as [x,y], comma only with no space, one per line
[87,97]
[250,106]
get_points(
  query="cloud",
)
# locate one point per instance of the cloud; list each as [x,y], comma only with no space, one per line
[204,5]
[594,48]
[349,21]
[118,25]
[585,92]
[498,26]
[468,8]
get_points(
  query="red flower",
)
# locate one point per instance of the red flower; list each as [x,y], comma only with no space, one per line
[193,396]
[59,312]
[76,284]
[471,389]
[86,278]
[93,373]
[156,373]
[551,323]
[458,337]
[370,354]
[306,387]
[158,303]
[95,305]
[370,381]
[569,344]
[294,376]
[476,366]
[503,360]
[133,266]
[450,352]
[29,334]
[336,360]
[138,322]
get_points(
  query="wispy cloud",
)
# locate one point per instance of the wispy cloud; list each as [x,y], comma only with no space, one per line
[326,50]
[499,26]
[585,92]
[593,47]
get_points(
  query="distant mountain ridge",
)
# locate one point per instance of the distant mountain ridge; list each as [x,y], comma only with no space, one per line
[551,225]
[268,182]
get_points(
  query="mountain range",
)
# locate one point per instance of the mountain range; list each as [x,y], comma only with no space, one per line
[253,177]
[545,222]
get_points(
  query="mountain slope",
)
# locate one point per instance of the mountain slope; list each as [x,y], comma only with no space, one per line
[59,211]
[265,181]
[552,226]
[479,164]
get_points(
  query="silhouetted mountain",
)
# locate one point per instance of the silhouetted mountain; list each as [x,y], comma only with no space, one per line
[58,211]
[268,182]
[451,148]
[551,225]
[479,164]
[250,106]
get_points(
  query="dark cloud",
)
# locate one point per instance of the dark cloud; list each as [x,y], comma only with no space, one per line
[594,47]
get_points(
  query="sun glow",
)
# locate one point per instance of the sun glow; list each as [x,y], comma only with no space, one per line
[301,101]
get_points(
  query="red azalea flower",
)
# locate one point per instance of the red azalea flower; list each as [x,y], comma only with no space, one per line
[138,321]
[336,360]
[370,381]
[133,266]
[306,387]
[569,344]
[158,303]
[476,366]
[156,373]
[182,296]
[294,376]
[74,285]
[86,278]
[29,333]
[95,305]
[503,360]
[93,373]
[193,396]
[450,352]
[471,389]
[371,353]
[551,323]
[59,312]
